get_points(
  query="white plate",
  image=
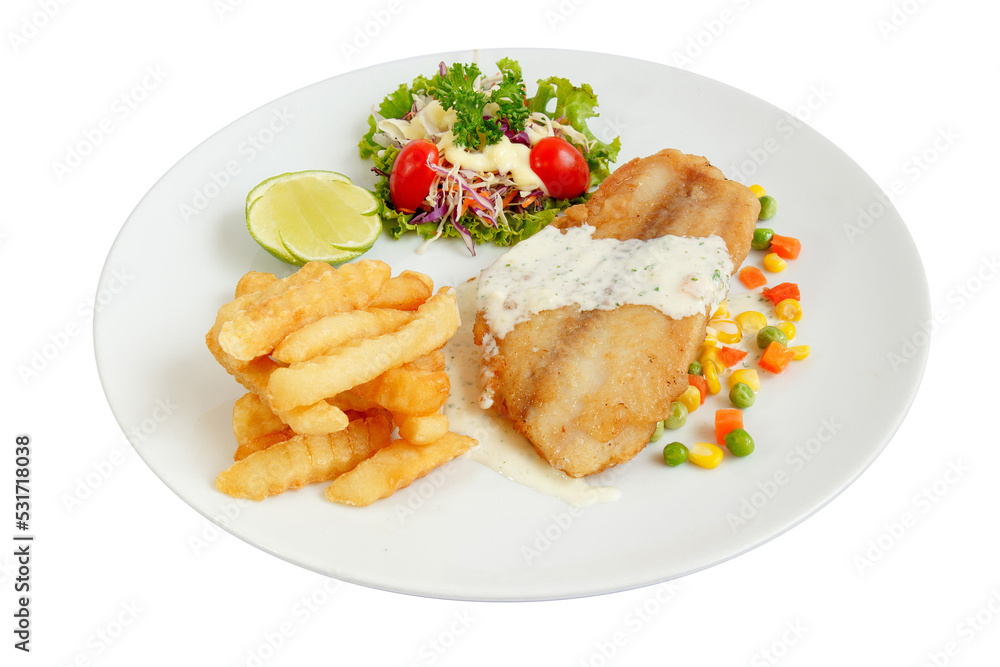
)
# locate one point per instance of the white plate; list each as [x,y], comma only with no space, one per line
[468,533]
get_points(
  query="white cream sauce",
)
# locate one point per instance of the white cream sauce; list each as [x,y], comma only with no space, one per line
[501,447]
[679,276]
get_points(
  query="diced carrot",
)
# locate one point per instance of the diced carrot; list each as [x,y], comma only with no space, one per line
[775,358]
[701,383]
[785,247]
[726,419]
[752,277]
[779,293]
[730,356]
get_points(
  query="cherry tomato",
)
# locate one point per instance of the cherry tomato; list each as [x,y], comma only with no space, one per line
[410,179]
[561,167]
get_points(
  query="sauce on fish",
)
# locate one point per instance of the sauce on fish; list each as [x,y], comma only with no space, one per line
[679,276]
[501,447]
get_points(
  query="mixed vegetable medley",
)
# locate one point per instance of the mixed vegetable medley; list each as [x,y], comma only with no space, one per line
[741,339]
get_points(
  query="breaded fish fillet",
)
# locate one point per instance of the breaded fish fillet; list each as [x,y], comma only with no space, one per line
[587,388]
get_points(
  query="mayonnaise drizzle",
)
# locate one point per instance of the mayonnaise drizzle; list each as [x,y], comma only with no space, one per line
[679,276]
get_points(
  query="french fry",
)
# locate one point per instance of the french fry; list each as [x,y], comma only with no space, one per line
[432,361]
[349,400]
[325,335]
[407,291]
[406,391]
[229,310]
[331,358]
[304,459]
[306,382]
[254,281]
[311,419]
[257,328]
[393,468]
[253,375]
[316,419]
[421,429]
[255,427]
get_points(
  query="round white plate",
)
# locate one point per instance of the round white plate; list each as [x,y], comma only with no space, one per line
[465,532]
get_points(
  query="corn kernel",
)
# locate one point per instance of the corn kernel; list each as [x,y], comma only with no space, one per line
[691,398]
[727,331]
[747,376]
[712,378]
[773,263]
[788,310]
[800,351]
[710,357]
[757,191]
[722,311]
[705,454]
[788,329]
[751,321]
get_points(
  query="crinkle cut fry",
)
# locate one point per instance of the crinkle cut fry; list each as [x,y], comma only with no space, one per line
[321,417]
[256,329]
[307,382]
[410,392]
[325,335]
[254,281]
[393,468]
[245,298]
[304,459]
[255,426]
[407,291]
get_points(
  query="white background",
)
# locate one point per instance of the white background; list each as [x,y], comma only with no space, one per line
[882,575]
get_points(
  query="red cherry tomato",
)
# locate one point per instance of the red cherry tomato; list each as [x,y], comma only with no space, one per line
[561,167]
[410,179]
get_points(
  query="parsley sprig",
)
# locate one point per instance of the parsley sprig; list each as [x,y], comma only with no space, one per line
[456,89]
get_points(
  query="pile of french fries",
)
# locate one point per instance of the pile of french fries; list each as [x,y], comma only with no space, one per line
[334,360]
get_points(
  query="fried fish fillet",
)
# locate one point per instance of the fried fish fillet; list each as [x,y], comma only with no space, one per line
[587,388]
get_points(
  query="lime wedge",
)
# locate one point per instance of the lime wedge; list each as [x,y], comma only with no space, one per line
[313,216]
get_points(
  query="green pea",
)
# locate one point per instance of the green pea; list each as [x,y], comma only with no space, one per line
[762,238]
[741,395]
[739,442]
[678,416]
[768,334]
[694,368]
[768,207]
[675,454]
[658,433]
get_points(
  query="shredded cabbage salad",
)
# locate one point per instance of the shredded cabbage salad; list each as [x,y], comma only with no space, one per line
[480,193]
